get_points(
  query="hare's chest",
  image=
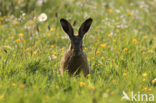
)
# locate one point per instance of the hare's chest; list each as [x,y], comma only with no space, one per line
[75,63]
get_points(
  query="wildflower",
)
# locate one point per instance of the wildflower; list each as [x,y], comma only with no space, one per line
[13,84]
[35,52]
[5,47]
[98,52]
[91,87]
[107,90]
[21,85]
[144,74]
[123,59]
[96,44]
[52,46]
[149,89]
[125,49]
[124,74]
[88,75]
[102,58]
[145,37]
[28,49]
[92,58]
[21,35]
[110,35]
[103,45]
[48,34]
[54,57]
[150,51]
[114,41]
[1,97]
[154,81]
[54,53]
[82,84]
[57,87]
[42,17]
[124,37]
[110,10]
[135,41]
[17,40]
[143,53]
[145,88]
[85,48]
[52,29]
[129,13]
[99,64]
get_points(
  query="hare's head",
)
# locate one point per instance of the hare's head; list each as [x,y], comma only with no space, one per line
[76,41]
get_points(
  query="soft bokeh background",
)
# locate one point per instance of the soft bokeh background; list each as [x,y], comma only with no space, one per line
[121,50]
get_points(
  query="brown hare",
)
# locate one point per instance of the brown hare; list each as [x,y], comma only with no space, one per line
[74,59]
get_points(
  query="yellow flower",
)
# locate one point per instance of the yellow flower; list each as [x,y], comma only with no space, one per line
[143,53]
[91,87]
[125,49]
[149,89]
[129,13]
[145,88]
[48,34]
[1,97]
[54,53]
[99,64]
[98,52]
[124,37]
[85,48]
[88,75]
[52,46]
[21,35]
[82,84]
[102,58]
[123,59]
[92,58]
[144,74]
[103,45]
[110,10]
[17,40]
[28,49]
[107,90]
[57,87]
[135,41]
[114,41]
[52,29]
[150,51]
[124,74]
[21,85]
[145,37]
[154,81]
[35,52]
[5,47]
[13,84]
[110,35]
[96,44]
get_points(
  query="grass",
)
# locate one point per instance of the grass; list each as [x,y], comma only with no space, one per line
[121,50]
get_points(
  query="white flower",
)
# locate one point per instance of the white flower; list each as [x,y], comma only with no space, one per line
[42,17]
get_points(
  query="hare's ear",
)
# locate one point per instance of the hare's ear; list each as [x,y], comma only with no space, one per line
[85,27]
[67,27]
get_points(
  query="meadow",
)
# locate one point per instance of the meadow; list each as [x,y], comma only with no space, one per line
[120,46]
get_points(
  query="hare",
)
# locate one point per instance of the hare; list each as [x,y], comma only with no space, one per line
[74,59]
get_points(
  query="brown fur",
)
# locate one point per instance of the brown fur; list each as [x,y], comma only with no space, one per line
[72,63]
[74,59]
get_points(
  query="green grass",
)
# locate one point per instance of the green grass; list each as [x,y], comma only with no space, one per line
[121,50]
